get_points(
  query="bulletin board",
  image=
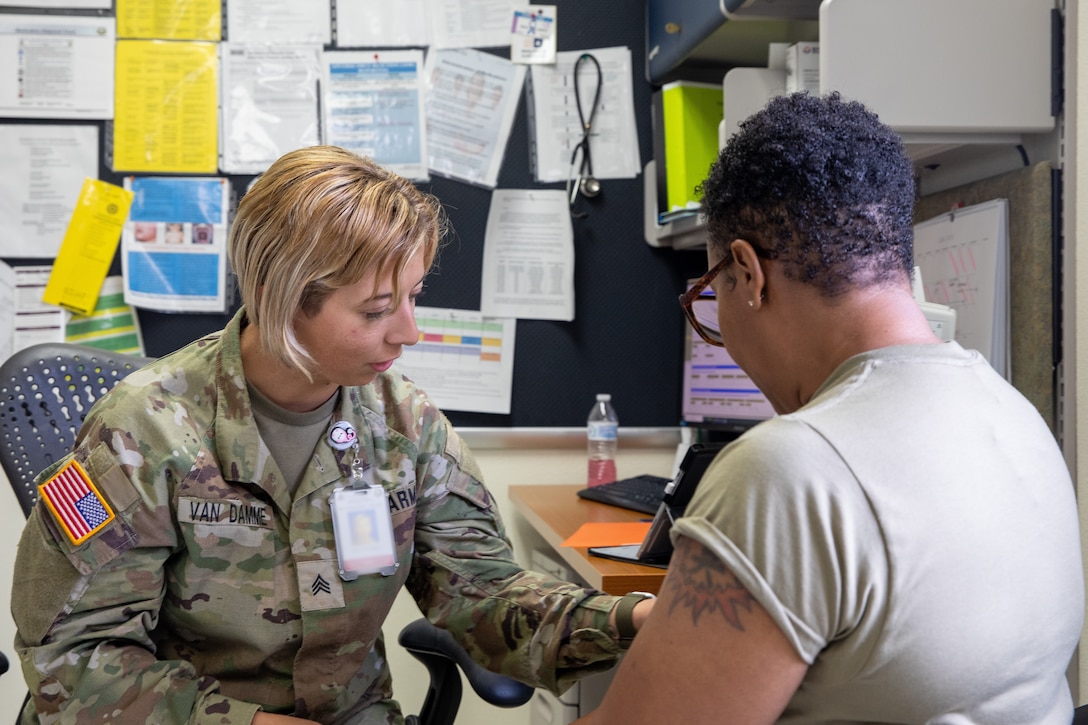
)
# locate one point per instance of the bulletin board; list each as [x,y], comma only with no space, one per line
[628,332]
[1033,300]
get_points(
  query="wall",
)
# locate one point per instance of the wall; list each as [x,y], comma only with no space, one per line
[563,460]
[1074,377]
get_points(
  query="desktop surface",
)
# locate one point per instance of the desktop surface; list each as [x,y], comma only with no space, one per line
[556,512]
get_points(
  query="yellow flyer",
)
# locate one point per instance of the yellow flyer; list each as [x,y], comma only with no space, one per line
[170,19]
[88,246]
[166,107]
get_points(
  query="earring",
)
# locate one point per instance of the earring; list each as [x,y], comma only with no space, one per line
[751,303]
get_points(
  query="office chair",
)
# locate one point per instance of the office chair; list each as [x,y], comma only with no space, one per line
[46,391]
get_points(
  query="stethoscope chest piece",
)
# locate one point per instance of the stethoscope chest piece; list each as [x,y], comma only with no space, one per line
[589,186]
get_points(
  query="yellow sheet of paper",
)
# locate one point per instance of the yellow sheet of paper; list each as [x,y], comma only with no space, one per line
[166,107]
[88,246]
[170,19]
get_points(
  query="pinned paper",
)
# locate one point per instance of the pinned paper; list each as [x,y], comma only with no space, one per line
[610,533]
[533,35]
[88,246]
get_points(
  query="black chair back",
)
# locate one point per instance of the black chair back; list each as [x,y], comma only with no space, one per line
[46,391]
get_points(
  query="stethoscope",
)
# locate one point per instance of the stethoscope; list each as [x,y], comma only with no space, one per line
[586,184]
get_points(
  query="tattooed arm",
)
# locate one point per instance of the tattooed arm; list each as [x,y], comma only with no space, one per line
[708,653]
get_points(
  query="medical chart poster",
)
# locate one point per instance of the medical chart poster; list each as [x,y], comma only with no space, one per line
[464,359]
[173,253]
[373,105]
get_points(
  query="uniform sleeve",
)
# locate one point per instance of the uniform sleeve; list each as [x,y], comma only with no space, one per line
[542,631]
[85,615]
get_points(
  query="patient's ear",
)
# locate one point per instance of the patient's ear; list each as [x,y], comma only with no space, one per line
[748,269]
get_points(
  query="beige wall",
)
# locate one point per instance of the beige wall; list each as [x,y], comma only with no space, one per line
[1075,298]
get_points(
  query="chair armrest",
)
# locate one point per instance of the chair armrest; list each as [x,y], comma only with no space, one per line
[437,649]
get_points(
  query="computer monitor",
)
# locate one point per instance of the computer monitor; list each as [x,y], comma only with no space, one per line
[718,395]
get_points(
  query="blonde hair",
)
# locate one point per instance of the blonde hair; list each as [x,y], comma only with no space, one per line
[321,218]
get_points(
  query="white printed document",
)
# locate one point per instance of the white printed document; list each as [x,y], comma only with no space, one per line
[528,256]
[279,21]
[472,97]
[555,127]
[381,24]
[24,319]
[471,23]
[269,103]
[44,168]
[464,360]
[57,66]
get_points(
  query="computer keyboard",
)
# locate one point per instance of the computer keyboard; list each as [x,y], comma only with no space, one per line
[639,493]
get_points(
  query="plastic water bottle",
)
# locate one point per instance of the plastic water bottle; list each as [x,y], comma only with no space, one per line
[602,430]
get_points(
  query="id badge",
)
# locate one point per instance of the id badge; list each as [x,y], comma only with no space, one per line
[363,528]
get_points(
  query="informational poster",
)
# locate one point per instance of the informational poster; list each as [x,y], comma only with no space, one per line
[464,360]
[173,249]
[56,66]
[167,106]
[472,97]
[44,168]
[373,105]
[269,103]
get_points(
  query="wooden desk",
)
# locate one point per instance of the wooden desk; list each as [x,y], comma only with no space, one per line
[556,512]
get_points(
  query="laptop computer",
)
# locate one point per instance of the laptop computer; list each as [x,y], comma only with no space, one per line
[656,548]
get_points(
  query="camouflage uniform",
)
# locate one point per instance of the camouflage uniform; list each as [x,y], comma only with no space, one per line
[213,594]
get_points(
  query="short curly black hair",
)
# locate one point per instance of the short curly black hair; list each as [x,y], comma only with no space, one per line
[822,186]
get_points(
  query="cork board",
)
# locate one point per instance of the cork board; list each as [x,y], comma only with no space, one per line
[1032,313]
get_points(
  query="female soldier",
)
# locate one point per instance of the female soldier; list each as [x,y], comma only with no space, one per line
[209,572]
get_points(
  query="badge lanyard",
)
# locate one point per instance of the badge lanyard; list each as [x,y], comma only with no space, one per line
[361,521]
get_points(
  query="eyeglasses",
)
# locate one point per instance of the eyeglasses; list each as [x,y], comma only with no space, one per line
[701,306]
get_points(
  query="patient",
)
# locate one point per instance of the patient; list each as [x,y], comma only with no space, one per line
[900,543]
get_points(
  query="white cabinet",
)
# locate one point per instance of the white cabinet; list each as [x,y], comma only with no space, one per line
[967,83]
[943,72]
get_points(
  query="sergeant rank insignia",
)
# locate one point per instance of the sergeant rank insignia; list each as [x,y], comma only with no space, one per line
[76,504]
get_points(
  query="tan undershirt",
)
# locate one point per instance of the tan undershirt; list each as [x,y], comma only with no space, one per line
[291,437]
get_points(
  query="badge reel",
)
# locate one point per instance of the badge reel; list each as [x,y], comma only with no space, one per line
[361,521]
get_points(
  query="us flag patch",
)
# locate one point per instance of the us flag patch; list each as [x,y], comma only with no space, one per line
[75,502]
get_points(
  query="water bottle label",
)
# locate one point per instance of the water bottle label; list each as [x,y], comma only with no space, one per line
[603,431]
